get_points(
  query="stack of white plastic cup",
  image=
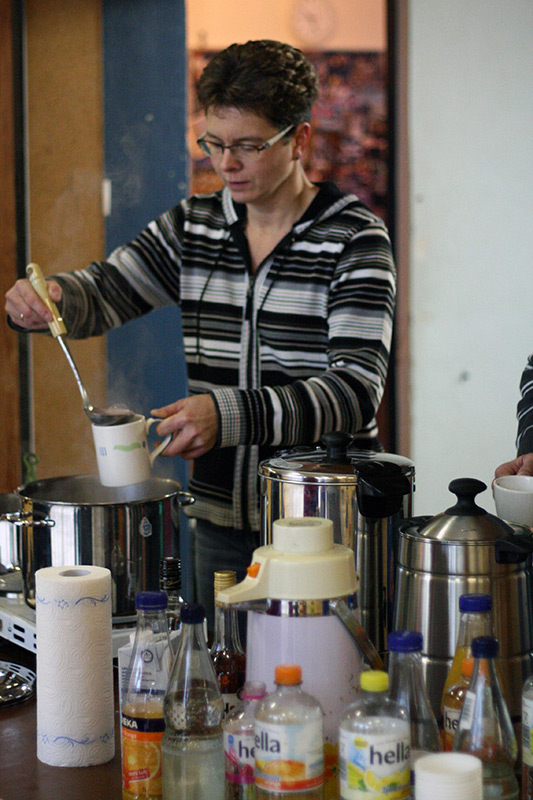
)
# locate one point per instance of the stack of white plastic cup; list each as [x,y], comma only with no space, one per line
[448,776]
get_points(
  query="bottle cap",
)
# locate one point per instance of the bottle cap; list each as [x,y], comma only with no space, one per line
[253,690]
[288,674]
[151,601]
[405,641]
[192,613]
[475,602]
[374,680]
[484,647]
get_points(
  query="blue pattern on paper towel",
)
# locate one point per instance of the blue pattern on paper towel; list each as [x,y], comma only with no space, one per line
[62,603]
[45,738]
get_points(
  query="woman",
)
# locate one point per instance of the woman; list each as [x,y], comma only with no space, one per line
[286,290]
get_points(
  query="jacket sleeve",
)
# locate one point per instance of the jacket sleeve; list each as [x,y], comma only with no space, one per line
[524,441]
[346,395]
[135,279]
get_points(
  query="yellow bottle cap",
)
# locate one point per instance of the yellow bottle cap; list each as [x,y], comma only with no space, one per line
[374,680]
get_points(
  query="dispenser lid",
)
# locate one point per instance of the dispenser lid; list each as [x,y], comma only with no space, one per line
[465,521]
[333,463]
[302,563]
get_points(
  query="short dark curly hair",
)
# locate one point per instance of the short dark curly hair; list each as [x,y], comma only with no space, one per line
[272,79]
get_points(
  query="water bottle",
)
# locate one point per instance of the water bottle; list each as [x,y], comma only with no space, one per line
[374,738]
[142,696]
[289,740]
[407,687]
[475,620]
[239,743]
[527,740]
[170,582]
[453,703]
[485,729]
[192,747]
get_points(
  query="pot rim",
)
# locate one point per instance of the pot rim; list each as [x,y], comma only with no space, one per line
[117,495]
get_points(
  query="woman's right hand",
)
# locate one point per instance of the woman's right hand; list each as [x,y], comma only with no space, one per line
[25,307]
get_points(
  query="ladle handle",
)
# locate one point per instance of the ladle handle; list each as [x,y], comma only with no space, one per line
[57,326]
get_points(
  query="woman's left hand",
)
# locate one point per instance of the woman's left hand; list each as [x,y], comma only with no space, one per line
[194,423]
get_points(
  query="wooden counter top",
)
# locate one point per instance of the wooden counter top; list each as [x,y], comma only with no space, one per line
[24,777]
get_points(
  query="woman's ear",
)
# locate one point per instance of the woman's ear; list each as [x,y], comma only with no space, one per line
[300,139]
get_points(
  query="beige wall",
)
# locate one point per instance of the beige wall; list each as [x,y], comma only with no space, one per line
[66,227]
[212,24]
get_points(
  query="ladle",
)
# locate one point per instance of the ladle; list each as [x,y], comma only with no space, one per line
[98,416]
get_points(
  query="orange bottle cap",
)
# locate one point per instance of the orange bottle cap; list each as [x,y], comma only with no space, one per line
[288,674]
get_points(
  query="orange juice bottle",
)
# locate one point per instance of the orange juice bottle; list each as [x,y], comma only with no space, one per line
[142,723]
[453,703]
[475,620]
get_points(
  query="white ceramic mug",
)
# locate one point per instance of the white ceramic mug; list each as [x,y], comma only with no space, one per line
[122,451]
[513,497]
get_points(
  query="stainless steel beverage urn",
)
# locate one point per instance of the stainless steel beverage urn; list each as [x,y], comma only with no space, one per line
[465,550]
[365,494]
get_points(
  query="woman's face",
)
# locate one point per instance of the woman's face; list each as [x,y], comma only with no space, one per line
[251,181]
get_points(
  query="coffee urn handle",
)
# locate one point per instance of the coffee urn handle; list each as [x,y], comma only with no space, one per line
[347,617]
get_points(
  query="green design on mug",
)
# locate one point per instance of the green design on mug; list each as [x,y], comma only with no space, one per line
[127,448]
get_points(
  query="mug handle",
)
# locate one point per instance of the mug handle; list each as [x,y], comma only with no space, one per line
[161,446]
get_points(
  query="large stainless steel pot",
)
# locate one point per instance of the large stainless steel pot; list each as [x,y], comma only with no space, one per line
[365,494]
[127,529]
[465,550]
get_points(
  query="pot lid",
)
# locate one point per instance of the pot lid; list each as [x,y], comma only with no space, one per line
[333,463]
[465,521]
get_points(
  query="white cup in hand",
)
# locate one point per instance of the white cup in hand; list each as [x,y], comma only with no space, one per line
[122,451]
[513,497]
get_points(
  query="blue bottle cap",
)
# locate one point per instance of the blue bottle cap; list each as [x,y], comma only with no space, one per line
[192,613]
[484,647]
[405,641]
[475,602]
[151,601]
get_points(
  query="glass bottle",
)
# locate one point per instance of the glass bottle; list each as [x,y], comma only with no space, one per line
[289,741]
[142,696]
[170,582]
[226,651]
[485,729]
[239,743]
[527,740]
[374,738]
[453,703]
[407,687]
[474,620]
[192,747]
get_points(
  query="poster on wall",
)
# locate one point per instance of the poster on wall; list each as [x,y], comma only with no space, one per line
[349,143]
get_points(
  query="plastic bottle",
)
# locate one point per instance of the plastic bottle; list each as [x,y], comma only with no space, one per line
[226,650]
[170,582]
[475,620]
[193,750]
[485,729]
[289,740]
[374,748]
[453,703]
[142,696]
[527,740]
[239,743]
[407,687]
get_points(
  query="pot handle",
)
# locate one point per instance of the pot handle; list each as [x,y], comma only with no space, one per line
[185,499]
[513,549]
[23,520]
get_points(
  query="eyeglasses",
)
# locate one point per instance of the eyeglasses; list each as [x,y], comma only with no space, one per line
[242,152]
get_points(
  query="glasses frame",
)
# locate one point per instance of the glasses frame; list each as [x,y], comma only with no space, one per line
[259,148]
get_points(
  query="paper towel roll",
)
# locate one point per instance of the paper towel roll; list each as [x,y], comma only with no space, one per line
[75,708]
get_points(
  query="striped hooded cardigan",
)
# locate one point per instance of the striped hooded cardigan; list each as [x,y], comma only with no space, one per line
[297,349]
